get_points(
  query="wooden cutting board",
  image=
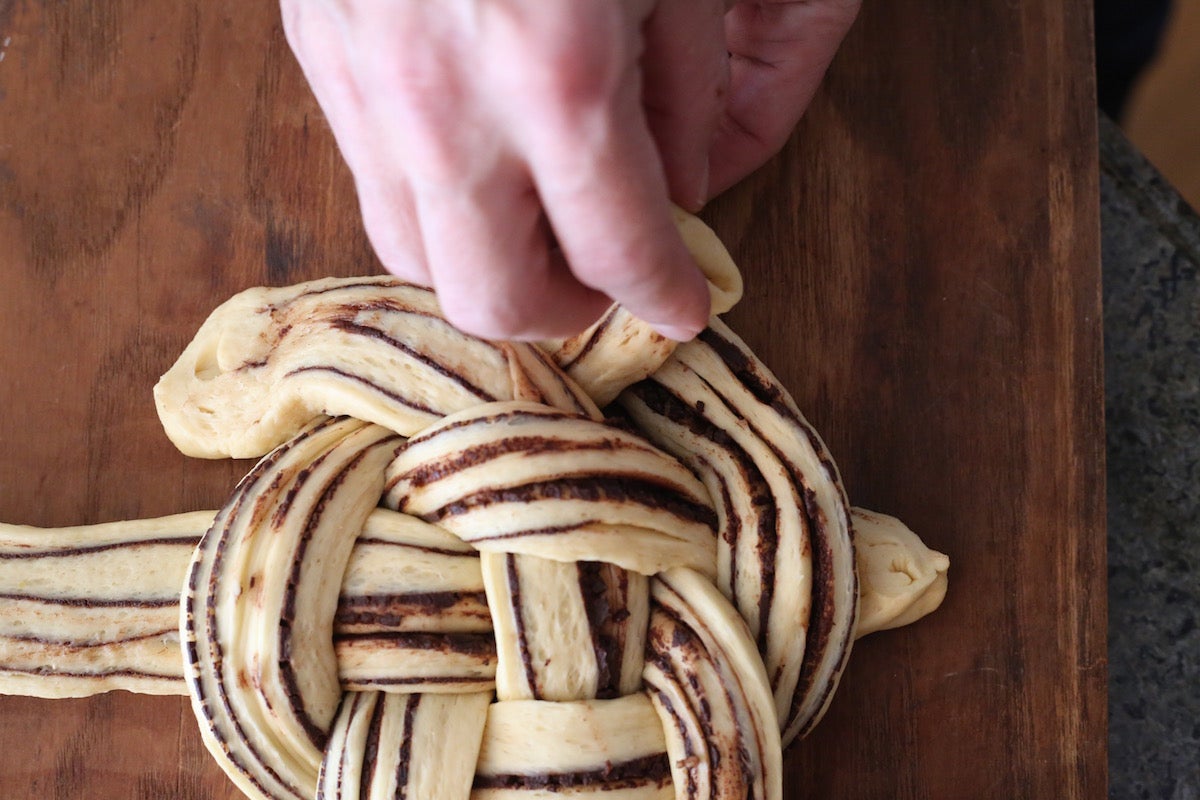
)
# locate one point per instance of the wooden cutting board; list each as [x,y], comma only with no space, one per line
[922,270]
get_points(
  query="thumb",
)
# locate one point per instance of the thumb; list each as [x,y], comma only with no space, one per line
[778,52]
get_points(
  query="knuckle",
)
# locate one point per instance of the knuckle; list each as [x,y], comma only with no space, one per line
[580,66]
[420,106]
[634,264]
[616,275]
[574,80]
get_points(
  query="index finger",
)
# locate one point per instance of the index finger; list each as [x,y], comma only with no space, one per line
[601,182]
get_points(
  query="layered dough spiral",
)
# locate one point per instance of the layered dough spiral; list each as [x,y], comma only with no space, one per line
[452,575]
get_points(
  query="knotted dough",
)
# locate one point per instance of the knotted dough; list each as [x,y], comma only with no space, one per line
[452,574]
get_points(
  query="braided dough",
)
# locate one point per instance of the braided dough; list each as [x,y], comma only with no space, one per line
[451,575]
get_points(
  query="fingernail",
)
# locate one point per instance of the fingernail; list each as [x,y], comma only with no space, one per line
[679,333]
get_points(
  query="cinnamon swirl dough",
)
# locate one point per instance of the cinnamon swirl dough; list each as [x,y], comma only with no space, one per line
[452,576]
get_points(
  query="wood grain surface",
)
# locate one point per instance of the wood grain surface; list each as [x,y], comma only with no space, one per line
[922,270]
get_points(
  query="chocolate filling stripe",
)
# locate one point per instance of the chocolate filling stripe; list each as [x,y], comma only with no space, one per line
[825,616]
[394,305]
[651,770]
[382,281]
[355,699]
[404,757]
[581,399]
[188,541]
[341,373]
[91,602]
[591,488]
[448,466]
[288,678]
[554,369]
[370,756]
[688,762]
[551,414]
[116,673]
[732,533]
[356,329]
[281,511]
[483,683]
[549,530]
[594,590]
[468,644]
[596,335]
[666,403]
[389,609]
[222,527]
[744,367]
[820,650]
[343,752]
[226,521]
[686,637]
[669,658]
[420,548]
[383,304]
[823,622]
[81,647]
[528,412]
[516,607]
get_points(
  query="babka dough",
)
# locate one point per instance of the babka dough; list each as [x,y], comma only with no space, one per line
[451,575]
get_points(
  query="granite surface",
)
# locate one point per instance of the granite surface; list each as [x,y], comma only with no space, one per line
[1151,260]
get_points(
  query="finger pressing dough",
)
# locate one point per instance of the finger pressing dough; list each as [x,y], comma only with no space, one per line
[619,349]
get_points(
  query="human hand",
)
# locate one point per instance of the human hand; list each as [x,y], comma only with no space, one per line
[519,155]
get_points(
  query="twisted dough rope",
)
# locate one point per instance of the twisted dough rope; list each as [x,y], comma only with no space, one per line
[95,608]
[559,486]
